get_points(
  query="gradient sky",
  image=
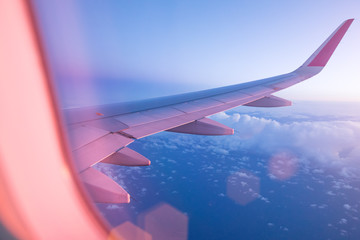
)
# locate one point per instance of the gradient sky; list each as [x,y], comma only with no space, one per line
[137,49]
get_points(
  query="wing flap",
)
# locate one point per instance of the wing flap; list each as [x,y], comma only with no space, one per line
[97,150]
[148,116]
[193,106]
[103,189]
[203,126]
[80,135]
[269,101]
[157,126]
[257,90]
[108,124]
[127,157]
[231,97]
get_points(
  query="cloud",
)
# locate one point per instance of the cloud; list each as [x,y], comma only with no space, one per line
[347,206]
[334,143]
[343,221]
[330,144]
[113,206]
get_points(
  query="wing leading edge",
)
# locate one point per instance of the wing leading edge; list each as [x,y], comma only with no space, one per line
[101,133]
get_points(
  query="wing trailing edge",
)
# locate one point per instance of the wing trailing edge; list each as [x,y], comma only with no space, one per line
[103,189]
[269,101]
[99,149]
[204,126]
[127,157]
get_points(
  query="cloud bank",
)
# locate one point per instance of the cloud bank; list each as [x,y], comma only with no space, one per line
[333,144]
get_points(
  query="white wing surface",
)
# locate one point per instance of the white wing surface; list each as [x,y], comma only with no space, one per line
[101,133]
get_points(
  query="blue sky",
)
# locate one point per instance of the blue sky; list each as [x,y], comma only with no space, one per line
[137,49]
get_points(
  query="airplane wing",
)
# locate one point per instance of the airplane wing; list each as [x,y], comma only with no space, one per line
[102,133]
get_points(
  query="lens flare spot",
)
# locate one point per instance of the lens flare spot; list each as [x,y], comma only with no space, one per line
[128,230]
[165,222]
[243,187]
[283,165]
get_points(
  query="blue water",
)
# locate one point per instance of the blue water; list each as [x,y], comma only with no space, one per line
[310,205]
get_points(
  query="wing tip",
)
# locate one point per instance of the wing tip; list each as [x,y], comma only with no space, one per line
[318,60]
[322,56]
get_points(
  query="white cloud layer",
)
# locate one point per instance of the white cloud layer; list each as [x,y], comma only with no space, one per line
[334,143]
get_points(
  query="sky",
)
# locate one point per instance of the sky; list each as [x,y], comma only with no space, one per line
[124,50]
